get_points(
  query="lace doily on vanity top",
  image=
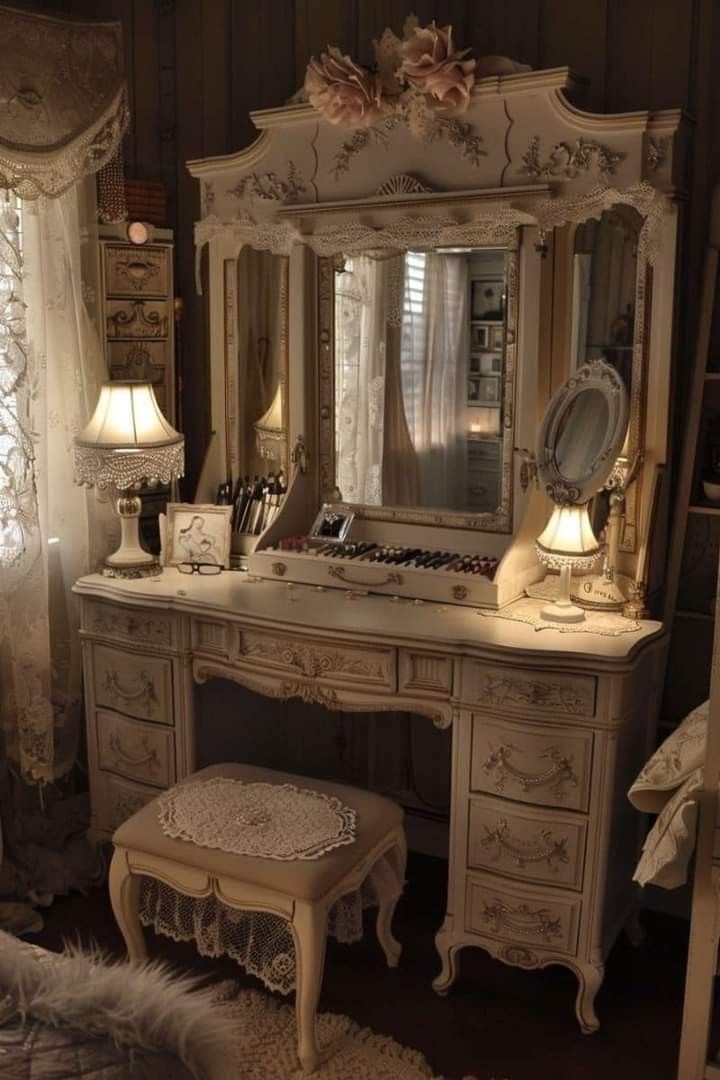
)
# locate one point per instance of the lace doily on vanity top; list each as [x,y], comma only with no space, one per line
[269,821]
[525,610]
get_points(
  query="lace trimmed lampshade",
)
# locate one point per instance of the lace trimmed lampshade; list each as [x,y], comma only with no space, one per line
[127,443]
[270,432]
[567,543]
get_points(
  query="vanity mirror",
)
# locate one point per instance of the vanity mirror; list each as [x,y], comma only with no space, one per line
[260,375]
[580,438]
[423,377]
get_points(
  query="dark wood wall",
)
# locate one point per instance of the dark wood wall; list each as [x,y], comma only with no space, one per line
[196,68]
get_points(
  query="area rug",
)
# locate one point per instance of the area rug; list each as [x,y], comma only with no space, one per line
[266,1046]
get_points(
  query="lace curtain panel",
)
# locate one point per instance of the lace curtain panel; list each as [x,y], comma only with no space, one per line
[63,101]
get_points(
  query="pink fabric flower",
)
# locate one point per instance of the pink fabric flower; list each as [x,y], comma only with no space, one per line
[342,91]
[431,65]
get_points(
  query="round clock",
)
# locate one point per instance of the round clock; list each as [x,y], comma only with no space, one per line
[138,232]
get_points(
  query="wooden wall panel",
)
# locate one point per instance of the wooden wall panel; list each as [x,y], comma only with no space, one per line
[504,28]
[575,34]
[319,24]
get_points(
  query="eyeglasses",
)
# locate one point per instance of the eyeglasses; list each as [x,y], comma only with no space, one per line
[199,568]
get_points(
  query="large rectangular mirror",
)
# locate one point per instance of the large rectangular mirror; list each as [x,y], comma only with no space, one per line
[256,312]
[423,377]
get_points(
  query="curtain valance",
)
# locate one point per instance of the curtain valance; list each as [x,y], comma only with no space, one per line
[63,100]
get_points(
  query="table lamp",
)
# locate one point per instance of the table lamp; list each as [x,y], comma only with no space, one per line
[128,443]
[567,543]
[269,431]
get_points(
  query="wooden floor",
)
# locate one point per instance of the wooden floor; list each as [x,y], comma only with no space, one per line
[496,1022]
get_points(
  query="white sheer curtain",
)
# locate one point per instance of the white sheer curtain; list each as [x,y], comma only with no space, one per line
[434,342]
[65,530]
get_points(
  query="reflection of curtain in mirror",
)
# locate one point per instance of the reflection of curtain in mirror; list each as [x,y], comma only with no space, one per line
[614,241]
[434,345]
[374,455]
[260,318]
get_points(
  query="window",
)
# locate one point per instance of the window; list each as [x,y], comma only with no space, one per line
[16,451]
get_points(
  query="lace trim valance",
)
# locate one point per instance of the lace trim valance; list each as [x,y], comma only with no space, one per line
[63,101]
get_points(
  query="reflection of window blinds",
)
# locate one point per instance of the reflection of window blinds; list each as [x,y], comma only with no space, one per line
[414,340]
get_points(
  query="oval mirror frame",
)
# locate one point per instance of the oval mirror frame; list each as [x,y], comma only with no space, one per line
[597,377]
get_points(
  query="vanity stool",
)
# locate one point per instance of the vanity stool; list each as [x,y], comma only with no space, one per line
[300,890]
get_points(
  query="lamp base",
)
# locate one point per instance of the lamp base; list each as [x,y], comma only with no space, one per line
[131,560]
[563,610]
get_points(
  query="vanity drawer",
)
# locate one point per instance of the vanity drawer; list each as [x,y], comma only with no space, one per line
[136,319]
[134,749]
[530,845]
[136,684]
[519,691]
[137,271]
[544,765]
[324,661]
[154,628]
[116,799]
[426,673]
[514,914]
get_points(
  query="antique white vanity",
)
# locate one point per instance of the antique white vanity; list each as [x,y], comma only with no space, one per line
[523,239]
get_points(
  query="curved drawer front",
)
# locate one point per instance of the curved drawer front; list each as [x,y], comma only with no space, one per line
[138,627]
[545,765]
[520,691]
[137,685]
[325,661]
[529,845]
[119,800]
[522,916]
[136,750]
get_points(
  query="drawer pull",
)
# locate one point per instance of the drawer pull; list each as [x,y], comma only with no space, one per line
[521,920]
[558,773]
[149,758]
[342,575]
[144,693]
[541,848]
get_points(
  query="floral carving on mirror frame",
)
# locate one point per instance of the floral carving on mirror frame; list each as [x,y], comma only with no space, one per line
[568,161]
[421,81]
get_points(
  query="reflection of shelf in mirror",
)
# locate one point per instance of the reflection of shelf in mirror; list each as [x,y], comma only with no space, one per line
[712,376]
[705,508]
[609,345]
[703,616]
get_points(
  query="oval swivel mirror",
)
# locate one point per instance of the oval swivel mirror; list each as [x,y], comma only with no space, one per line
[581,435]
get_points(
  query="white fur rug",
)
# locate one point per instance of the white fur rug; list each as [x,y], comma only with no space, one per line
[266,1048]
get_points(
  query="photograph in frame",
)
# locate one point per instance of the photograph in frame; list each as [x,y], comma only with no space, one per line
[489,390]
[332,524]
[197,532]
[488,299]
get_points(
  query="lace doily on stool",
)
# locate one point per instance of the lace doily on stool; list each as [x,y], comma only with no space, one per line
[269,821]
[260,942]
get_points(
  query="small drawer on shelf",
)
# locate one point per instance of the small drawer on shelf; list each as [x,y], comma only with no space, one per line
[136,684]
[210,636]
[132,270]
[530,845]
[134,749]
[425,673]
[547,766]
[517,690]
[153,628]
[512,914]
[116,799]
[324,661]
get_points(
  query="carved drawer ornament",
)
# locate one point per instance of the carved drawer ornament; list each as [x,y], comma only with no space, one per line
[521,920]
[142,695]
[568,161]
[313,663]
[558,773]
[499,690]
[541,848]
[138,322]
[119,624]
[420,79]
[138,270]
[147,759]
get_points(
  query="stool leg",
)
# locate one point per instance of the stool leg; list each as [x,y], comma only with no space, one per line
[390,945]
[310,928]
[125,898]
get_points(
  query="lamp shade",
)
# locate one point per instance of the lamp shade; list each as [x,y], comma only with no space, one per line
[128,440]
[568,538]
[269,430]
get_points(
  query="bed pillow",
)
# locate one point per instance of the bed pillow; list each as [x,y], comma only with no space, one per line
[671,841]
[672,763]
